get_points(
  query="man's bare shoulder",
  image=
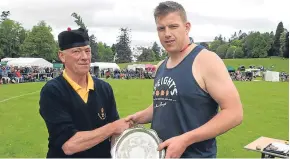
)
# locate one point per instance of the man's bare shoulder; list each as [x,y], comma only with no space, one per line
[159,63]
[207,55]
[209,61]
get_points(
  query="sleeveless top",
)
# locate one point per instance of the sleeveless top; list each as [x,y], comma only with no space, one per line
[181,105]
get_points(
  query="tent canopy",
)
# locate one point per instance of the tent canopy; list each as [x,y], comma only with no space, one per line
[231,69]
[57,65]
[3,63]
[30,62]
[6,59]
[105,65]
[271,76]
[136,66]
[150,67]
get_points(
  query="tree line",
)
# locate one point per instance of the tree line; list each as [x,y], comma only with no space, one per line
[253,44]
[15,41]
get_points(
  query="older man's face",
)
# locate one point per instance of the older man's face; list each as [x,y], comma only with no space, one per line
[77,59]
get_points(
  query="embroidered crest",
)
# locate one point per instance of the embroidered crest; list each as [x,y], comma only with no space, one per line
[102,115]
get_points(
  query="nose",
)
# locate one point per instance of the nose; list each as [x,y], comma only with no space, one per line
[167,33]
[85,55]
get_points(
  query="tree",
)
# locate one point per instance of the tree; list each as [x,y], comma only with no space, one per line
[269,37]
[12,35]
[105,53]
[237,43]
[230,52]
[240,33]
[220,38]
[238,53]
[1,53]
[40,43]
[4,15]
[164,54]
[243,36]
[248,44]
[147,55]
[113,47]
[123,49]
[233,37]
[101,51]
[260,48]
[282,43]
[277,44]
[108,55]
[222,50]
[204,44]
[94,48]
[214,45]
[257,45]
[157,51]
[286,51]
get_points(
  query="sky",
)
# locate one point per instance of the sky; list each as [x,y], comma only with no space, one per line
[208,18]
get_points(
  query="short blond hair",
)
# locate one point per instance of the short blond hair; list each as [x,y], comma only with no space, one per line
[167,7]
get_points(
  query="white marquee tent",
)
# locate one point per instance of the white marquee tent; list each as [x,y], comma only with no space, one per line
[29,62]
[271,76]
[256,72]
[134,66]
[105,65]
[7,59]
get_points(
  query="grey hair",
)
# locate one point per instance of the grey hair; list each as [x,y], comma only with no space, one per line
[167,7]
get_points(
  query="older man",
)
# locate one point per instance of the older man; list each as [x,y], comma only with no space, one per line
[79,111]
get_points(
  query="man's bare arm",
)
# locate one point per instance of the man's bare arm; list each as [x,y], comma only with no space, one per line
[144,116]
[85,140]
[220,86]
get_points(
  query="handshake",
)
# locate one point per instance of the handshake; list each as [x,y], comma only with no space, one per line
[121,125]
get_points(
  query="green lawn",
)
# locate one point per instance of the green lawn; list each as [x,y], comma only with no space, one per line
[24,135]
[278,63]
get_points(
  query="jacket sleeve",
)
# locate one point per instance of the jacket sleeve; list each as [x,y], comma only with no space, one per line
[56,116]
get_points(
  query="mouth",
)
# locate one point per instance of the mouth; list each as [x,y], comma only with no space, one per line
[169,41]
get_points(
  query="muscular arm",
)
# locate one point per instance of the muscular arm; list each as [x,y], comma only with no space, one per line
[144,116]
[220,86]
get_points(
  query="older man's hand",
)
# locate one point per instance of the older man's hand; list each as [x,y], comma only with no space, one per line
[121,125]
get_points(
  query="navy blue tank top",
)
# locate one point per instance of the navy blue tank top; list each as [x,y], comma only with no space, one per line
[181,105]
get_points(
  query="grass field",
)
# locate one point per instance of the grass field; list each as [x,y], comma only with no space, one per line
[23,133]
[278,63]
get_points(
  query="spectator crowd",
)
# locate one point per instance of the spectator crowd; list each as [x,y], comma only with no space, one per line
[14,74]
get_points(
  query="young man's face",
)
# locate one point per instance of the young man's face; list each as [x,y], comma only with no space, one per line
[172,31]
[77,59]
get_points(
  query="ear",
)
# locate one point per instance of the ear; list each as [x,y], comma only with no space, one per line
[187,27]
[61,56]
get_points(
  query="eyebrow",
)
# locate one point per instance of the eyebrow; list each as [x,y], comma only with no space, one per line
[162,26]
[75,49]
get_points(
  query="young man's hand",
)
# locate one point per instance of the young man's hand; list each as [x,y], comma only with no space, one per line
[175,147]
[121,125]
